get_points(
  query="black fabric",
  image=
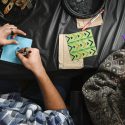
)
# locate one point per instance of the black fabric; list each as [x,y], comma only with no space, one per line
[78,109]
[83,8]
[48,19]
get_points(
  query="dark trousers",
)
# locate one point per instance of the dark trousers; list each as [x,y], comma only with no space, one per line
[30,88]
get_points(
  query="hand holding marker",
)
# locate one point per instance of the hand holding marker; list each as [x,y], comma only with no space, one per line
[24,51]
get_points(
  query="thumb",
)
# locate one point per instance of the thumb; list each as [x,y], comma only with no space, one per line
[21,57]
[6,42]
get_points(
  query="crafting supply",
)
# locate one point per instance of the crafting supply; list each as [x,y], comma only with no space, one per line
[12,33]
[91,21]
[81,44]
[82,22]
[65,61]
[9,51]
[24,51]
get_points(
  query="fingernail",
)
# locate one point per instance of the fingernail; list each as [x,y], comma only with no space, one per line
[17,52]
[16,42]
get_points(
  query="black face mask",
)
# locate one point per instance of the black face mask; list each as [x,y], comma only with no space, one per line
[15,11]
[83,8]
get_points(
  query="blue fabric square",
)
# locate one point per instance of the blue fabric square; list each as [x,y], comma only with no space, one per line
[9,51]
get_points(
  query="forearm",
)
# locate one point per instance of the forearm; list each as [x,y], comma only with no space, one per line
[52,98]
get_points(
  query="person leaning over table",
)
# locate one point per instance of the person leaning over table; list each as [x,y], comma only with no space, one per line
[15,109]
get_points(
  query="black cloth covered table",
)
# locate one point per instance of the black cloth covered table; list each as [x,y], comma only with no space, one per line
[48,19]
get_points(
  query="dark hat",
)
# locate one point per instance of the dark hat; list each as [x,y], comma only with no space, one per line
[83,8]
[15,11]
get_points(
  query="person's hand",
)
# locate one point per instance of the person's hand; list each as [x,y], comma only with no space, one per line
[7,30]
[32,61]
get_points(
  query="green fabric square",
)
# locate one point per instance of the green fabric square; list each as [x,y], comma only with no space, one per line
[81,44]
